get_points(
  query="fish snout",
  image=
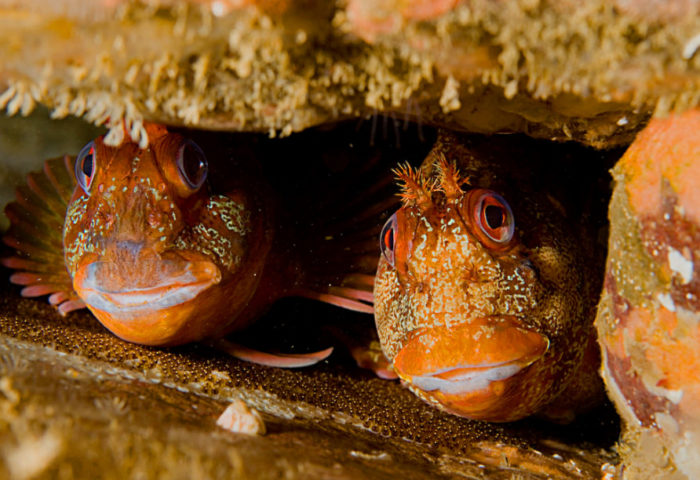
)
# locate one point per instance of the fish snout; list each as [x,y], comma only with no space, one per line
[144,297]
[475,369]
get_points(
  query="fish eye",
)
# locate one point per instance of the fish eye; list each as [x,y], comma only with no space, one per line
[192,164]
[493,217]
[86,166]
[387,239]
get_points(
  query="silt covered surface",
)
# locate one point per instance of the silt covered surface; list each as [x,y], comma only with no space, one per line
[78,402]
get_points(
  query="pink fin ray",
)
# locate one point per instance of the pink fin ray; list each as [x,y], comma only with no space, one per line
[338,301]
[58,298]
[61,179]
[344,250]
[70,305]
[359,279]
[19,214]
[355,293]
[281,360]
[33,278]
[372,212]
[17,263]
[36,233]
[363,345]
[43,189]
[39,289]
[32,248]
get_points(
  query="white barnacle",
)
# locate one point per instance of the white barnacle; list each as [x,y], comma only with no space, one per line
[239,418]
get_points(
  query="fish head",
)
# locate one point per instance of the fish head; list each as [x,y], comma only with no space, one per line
[146,243]
[471,317]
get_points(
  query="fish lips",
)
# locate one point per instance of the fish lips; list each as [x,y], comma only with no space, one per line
[156,308]
[471,369]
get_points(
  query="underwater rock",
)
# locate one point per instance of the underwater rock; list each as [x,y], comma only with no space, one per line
[649,316]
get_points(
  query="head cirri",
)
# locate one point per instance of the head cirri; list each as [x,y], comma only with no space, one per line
[475,318]
[146,244]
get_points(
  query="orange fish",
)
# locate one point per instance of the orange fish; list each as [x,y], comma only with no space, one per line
[486,290]
[138,236]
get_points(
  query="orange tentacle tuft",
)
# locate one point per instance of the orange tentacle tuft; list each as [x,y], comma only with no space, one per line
[450,178]
[416,190]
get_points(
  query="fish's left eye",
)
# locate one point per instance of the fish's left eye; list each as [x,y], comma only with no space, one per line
[492,216]
[387,239]
[192,164]
[86,166]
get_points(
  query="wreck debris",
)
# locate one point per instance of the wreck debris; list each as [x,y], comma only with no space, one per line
[550,69]
[649,316]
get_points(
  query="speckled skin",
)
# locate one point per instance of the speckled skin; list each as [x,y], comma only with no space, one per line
[452,300]
[142,226]
[166,250]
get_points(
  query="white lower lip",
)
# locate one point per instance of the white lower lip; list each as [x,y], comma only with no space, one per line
[134,301]
[469,381]
[126,303]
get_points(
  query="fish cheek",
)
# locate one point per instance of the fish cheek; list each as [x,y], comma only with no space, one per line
[392,309]
[559,289]
[220,233]
[79,240]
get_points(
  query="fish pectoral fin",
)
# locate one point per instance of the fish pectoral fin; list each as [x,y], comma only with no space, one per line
[371,359]
[280,360]
[362,343]
[342,249]
[36,235]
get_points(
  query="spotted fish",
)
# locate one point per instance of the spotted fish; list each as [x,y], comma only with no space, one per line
[140,238]
[487,286]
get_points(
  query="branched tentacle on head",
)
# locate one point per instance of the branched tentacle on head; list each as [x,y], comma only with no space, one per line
[419,191]
[450,180]
[416,190]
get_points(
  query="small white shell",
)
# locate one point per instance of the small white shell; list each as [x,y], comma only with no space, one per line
[238,418]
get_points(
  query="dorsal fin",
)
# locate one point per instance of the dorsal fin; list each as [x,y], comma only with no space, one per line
[36,234]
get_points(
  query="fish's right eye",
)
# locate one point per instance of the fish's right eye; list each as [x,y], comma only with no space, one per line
[86,166]
[192,164]
[387,239]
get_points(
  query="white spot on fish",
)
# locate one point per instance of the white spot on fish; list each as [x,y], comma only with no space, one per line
[680,265]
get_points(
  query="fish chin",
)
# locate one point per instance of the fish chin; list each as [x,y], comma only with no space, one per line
[169,308]
[468,372]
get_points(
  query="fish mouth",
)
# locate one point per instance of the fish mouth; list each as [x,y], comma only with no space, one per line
[167,289]
[465,379]
[466,368]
